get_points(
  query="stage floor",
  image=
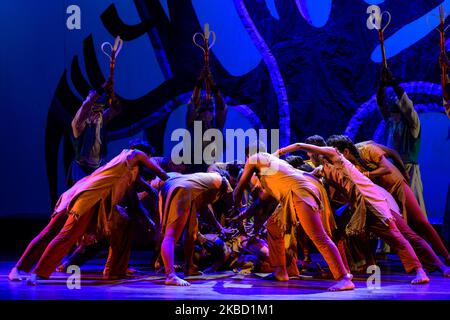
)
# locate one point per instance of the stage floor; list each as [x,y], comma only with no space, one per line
[221,286]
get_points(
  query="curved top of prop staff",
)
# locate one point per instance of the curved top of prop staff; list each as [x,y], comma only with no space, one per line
[205,36]
[441,18]
[376,17]
[379,20]
[113,51]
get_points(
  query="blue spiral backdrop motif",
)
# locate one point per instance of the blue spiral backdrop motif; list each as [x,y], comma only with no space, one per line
[304,66]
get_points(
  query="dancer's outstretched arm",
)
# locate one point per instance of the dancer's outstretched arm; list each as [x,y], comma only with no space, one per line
[390,153]
[328,152]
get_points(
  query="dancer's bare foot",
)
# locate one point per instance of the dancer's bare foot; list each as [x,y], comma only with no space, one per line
[33,279]
[173,280]
[131,271]
[280,274]
[293,271]
[15,275]
[157,264]
[61,268]
[421,277]
[192,271]
[344,284]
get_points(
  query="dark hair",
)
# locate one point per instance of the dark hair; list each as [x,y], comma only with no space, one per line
[394,108]
[141,145]
[225,180]
[223,173]
[234,169]
[295,161]
[341,143]
[306,167]
[316,140]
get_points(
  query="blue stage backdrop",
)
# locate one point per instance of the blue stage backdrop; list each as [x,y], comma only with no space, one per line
[304,66]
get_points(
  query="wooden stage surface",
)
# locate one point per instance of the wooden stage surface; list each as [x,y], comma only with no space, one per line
[225,285]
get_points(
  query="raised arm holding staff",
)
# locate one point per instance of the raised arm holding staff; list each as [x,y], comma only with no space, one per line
[375,21]
[88,125]
[206,106]
[112,55]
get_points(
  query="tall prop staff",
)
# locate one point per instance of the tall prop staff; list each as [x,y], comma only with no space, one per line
[112,51]
[205,46]
[444,65]
[375,21]
[443,60]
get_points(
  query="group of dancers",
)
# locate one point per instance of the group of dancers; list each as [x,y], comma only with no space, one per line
[259,216]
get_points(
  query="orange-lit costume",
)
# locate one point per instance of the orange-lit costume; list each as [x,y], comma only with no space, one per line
[89,206]
[398,187]
[181,197]
[294,190]
[373,209]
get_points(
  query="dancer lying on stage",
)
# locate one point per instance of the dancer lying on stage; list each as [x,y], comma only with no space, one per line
[386,175]
[181,198]
[241,253]
[90,203]
[371,209]
[301,199]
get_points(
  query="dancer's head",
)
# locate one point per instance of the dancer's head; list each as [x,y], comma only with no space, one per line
[298,163]
[168,165]
[295,161]
[142,145]
[345,146]
[96,112]
[317,141]
[234,169]
[225,188]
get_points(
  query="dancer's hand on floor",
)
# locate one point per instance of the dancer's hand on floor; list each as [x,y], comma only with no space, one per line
[228,232]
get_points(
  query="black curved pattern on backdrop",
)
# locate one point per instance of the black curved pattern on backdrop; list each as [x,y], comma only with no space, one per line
[327,71]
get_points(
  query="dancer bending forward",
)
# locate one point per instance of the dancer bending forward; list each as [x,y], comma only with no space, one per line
[373,209]
[301,198]
[182,197]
